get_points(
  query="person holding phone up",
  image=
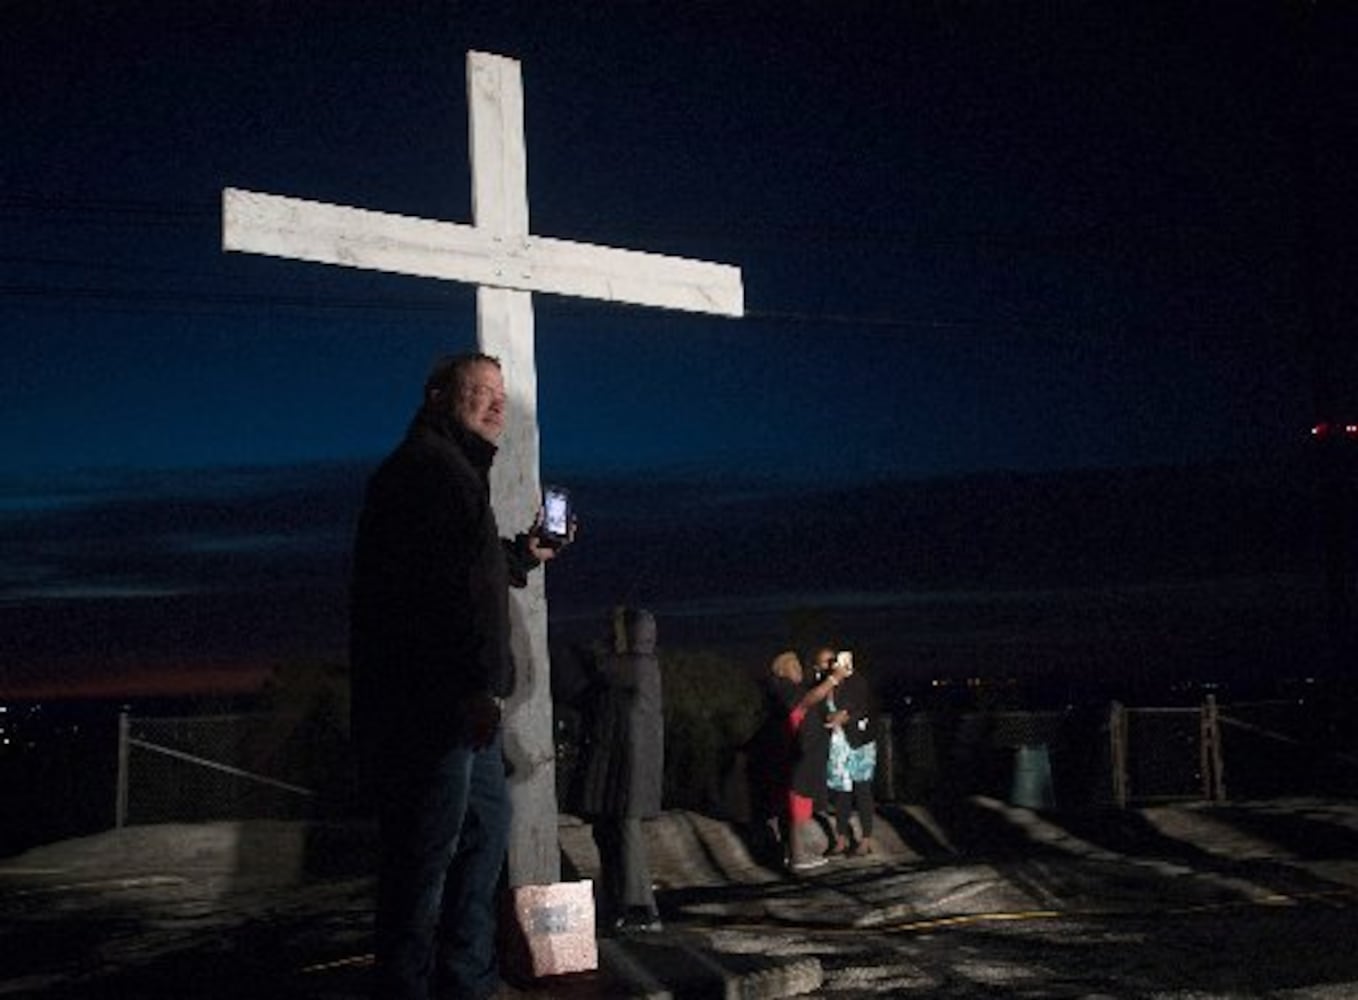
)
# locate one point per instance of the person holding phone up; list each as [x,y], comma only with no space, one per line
[430,657]
[805,747]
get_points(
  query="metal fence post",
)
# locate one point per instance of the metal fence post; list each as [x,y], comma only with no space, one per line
[886,760]
[1117,735]
[1214,781]
[120,806]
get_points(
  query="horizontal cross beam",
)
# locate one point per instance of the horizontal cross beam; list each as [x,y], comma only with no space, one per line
[277,226]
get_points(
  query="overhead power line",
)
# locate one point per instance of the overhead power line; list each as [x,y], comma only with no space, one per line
[1109,233]
[128,284]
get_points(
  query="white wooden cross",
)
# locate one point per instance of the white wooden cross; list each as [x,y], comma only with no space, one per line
[507,264]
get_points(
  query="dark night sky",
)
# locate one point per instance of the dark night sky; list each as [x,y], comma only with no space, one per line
[977,238]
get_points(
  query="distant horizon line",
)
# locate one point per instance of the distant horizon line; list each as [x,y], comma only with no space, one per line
[740,621]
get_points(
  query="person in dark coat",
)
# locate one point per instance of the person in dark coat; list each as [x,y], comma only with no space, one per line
[800,704]
[623,771]
[853,762]
[429,653]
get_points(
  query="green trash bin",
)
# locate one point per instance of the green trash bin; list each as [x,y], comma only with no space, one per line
[1032,786]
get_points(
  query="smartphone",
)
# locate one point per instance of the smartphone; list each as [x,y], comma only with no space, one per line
[556,515]
[844,658]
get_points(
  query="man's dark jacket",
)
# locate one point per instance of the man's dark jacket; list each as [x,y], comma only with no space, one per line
[429,622]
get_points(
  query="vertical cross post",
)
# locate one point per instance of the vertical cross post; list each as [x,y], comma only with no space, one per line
[504,328]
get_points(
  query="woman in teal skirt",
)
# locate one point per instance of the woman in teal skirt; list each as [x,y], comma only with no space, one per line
[852,764]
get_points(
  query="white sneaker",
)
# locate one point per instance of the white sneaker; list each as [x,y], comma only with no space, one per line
[806,864]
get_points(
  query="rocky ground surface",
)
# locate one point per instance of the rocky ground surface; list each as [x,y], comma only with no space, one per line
[973,899]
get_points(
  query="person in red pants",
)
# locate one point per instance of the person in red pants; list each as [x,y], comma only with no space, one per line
[806,750]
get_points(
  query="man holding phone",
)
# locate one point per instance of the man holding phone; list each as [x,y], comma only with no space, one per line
[430,655]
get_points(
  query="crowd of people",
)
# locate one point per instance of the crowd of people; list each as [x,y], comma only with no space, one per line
[431,663]
[821,743]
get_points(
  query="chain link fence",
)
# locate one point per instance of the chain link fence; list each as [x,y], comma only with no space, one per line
[1040,759]
[211,767]
[1159,755]
[1287,747]
[1125,756]
[270,766]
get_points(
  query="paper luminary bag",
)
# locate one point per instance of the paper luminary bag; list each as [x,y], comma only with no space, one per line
[555,925]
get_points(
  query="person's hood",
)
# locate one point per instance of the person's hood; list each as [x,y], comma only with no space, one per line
[639,631]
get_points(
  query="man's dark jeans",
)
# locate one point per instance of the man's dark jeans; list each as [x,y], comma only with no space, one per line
[444,835]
